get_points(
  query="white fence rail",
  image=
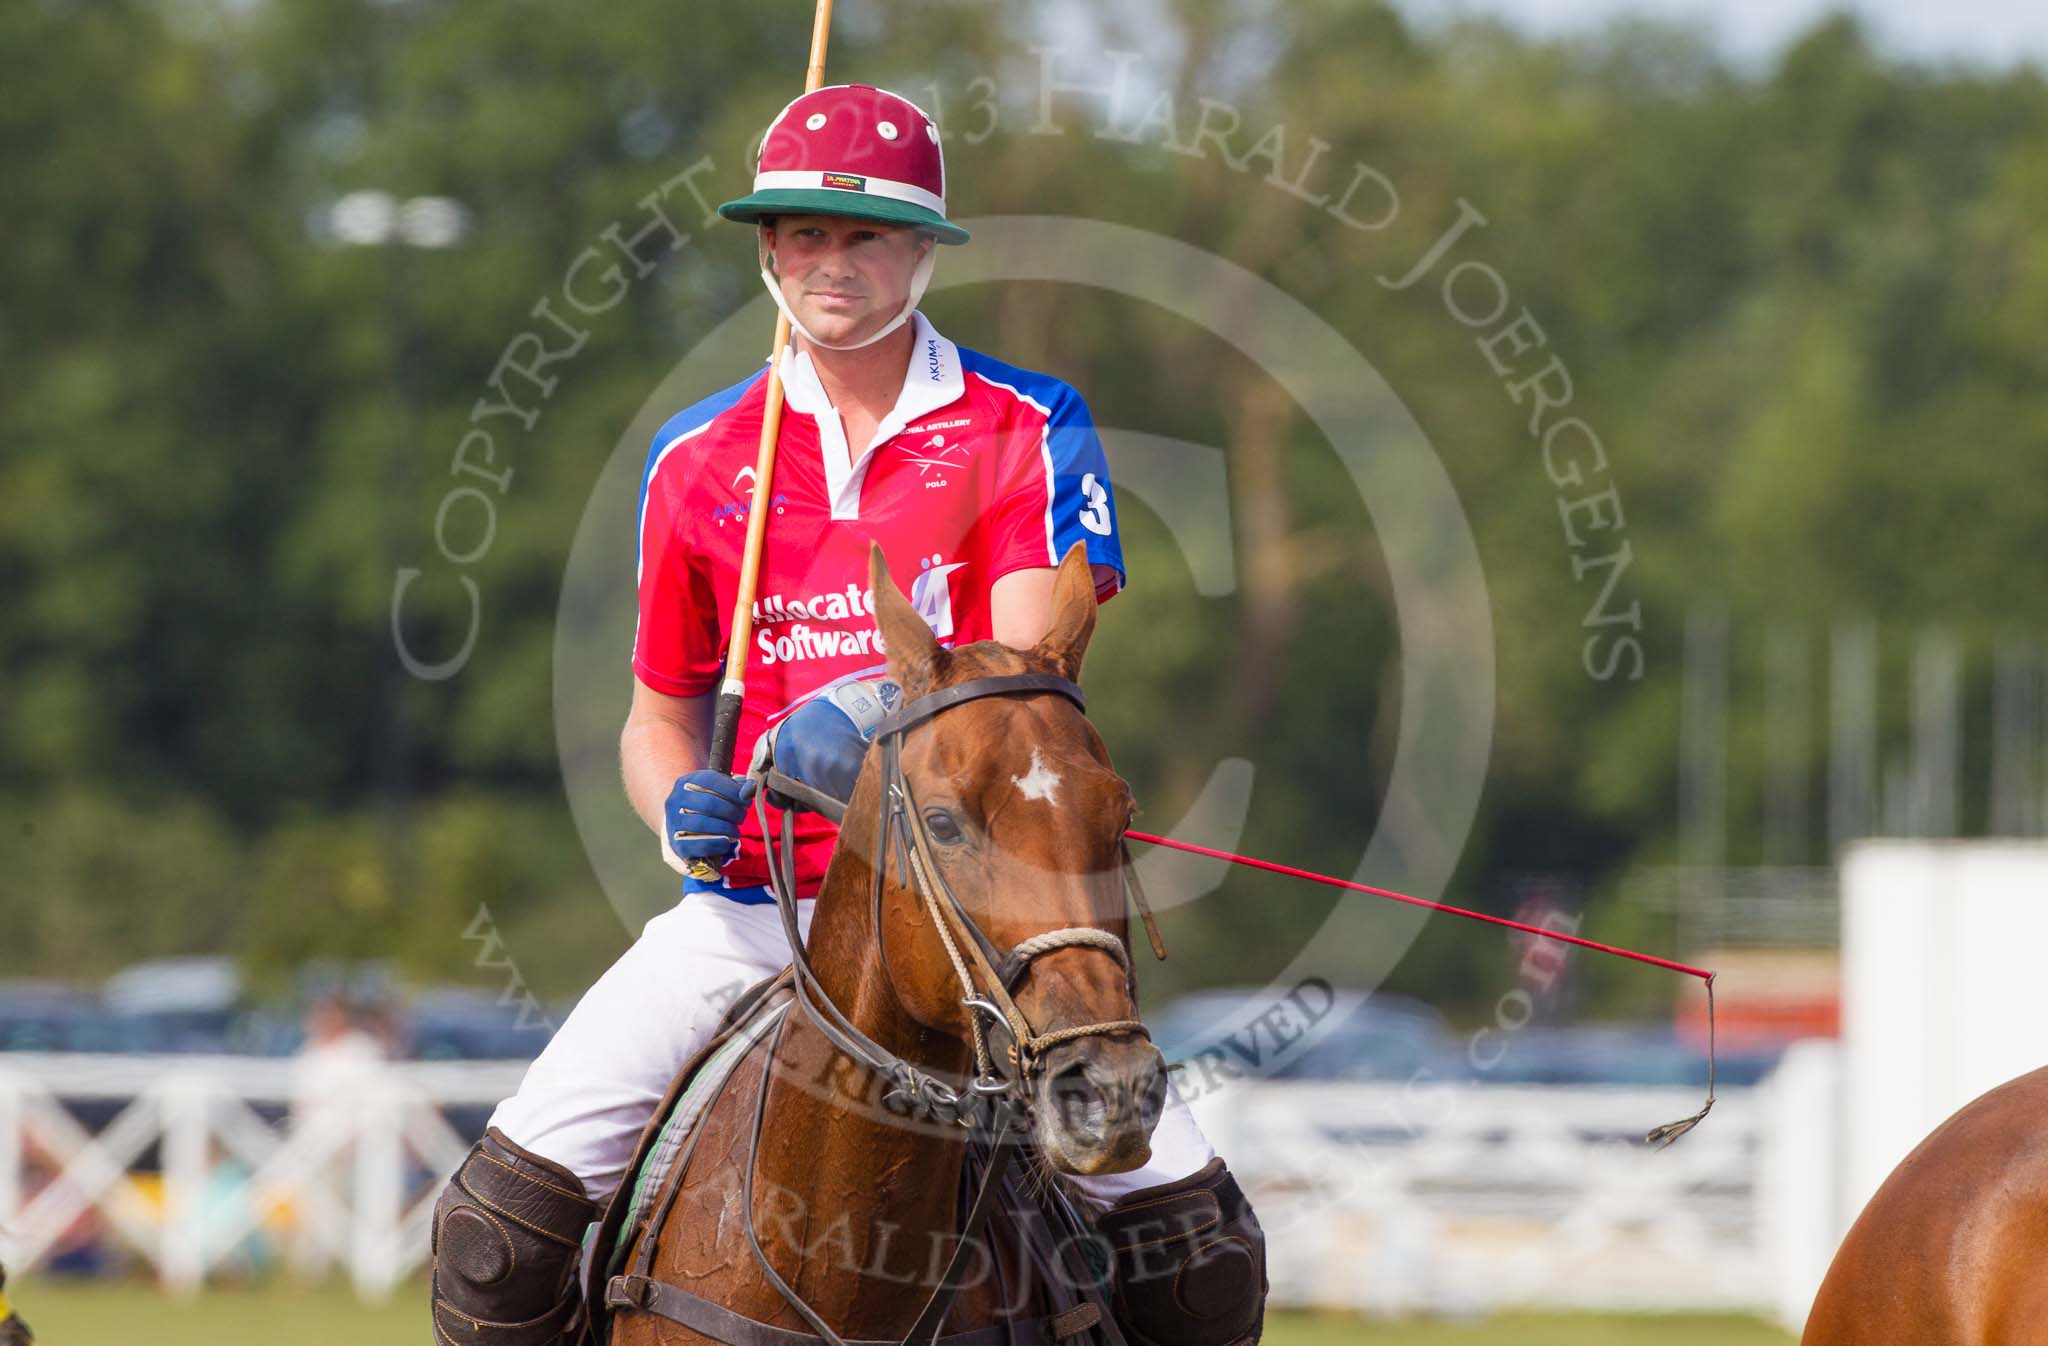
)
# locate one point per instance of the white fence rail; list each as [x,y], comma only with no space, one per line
[1456,1199]
[1374,1197]
[352,1189]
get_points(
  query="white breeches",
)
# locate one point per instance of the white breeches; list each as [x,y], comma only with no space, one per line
[586,1098]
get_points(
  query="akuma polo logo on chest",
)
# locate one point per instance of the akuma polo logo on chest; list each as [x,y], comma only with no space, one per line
[736,510]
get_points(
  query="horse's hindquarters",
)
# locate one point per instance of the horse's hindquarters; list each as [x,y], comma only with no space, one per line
[1953,1248]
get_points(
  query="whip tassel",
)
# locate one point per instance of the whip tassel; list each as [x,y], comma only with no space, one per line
[1664,1135]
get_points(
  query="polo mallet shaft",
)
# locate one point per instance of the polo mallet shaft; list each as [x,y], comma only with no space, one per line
[725,722]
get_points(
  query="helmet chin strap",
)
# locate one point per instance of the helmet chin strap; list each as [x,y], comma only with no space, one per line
[919,279]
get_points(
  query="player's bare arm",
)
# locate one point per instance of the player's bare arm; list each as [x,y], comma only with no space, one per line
[665,737]
[1020,603]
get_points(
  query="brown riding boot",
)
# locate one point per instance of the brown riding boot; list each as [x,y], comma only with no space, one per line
[508,1230]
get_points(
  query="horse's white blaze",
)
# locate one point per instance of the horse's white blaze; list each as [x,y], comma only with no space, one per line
[1041,782]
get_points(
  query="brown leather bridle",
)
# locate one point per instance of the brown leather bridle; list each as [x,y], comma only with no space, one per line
[900,831]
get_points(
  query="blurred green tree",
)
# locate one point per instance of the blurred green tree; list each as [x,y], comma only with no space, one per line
[1801,307]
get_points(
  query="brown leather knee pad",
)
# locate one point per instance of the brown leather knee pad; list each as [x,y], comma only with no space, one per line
[507,1233]
[1190,1262]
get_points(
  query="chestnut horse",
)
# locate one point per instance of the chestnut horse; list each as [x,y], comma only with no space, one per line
[1006,821]
[1953,1249]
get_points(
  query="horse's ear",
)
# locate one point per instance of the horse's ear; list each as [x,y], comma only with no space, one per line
[913,652]
[1073,612]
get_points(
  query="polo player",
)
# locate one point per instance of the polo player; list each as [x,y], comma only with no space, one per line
[975,477]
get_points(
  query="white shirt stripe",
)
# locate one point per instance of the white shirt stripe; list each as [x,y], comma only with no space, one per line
[800,178]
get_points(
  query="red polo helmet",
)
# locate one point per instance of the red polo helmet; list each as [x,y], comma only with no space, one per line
[851,149]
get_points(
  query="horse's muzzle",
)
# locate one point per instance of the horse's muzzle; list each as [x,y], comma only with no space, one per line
[1096,1103]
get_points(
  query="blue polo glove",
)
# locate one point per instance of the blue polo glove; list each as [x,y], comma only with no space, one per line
[823,742]
[701,820]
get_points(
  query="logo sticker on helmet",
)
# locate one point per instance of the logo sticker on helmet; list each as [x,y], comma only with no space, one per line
[844,180]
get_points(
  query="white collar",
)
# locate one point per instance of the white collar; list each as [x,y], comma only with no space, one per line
[932,380]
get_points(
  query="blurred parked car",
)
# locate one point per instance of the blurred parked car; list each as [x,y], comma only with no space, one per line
[190,1004]
[52,1017]
[1618,1055]
[1311,1033]
[1254,1032]
[459,1024]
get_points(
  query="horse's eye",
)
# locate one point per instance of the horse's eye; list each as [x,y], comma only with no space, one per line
[943,827]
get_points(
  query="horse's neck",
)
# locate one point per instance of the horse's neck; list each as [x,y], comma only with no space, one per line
[858,1203]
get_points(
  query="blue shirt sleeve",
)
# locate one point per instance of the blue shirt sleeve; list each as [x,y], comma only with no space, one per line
[1083,500]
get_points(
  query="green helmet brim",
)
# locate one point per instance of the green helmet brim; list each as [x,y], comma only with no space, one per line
[831,201]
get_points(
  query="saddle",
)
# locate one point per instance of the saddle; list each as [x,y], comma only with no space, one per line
[667,1139]
[1037,1232]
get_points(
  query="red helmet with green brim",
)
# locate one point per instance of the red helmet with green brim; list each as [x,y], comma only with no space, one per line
[851,149]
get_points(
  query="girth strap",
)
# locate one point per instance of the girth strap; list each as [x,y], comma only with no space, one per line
[722,1324]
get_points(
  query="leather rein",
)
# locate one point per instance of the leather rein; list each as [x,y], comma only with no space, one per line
[996,1098]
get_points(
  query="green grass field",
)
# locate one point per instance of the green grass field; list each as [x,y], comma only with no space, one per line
[128,1314]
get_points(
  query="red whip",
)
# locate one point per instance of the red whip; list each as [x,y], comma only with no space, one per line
[1660,1136]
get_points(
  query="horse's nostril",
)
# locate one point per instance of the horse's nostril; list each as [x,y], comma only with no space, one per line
[1152,1097]
[1081,1106]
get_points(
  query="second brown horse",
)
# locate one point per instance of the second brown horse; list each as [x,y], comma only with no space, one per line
[1953,1249]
